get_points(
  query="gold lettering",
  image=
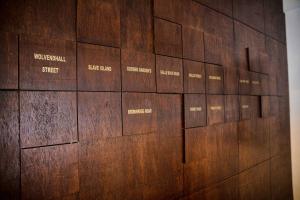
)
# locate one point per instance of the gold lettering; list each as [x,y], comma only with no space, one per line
[139,111]
[54,58]
[169,73]
[216,107]
[245,106]
[195,109]
[199,76]
[139,69]
[255,82]
[244,81]
[218,78]
[99,68]
[51,70]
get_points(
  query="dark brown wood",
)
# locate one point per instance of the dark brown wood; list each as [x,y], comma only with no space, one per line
[169,115]
[54,20]
[98,22]
[255,83]
[231,108]
[138,71]
[98,68]
[168,39]
[231,80]
[245,107]
[215,109]
[244,82]
[99,115]
[193,14]
[47,118]
[169,74]
[192,43]
[258,61]
[9,146]
[137,25]
[9,61]
[253,142]
[47,64]
[224,6]
[139,113]
[214,79]
[254,183]
[194,76]
[171,10]
[10,18]
[50,172]
[194,110]
[213,49]
[250,12]
[209,150]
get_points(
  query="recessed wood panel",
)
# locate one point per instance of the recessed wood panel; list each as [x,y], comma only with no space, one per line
[244,82]
[192,43]
[211,155]
[194,77]
[47,64]
[47,118]
[138,71]
[254,183]
[231,80]
[255,83]
[169,75]
[253,142]
[193,14]
[214,79]
[99,115]
[9,146]
[139,113]
[168,39]
[232,108]
[137,25]
[50,172]
[258,61]
[98,22]
[98,68]
[213,49]
[194,110]
[9,61]
[215,109]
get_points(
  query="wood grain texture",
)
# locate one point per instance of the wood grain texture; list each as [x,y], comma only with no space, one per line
[194,110]
[244,82]
[35,57]
[99,22]
[167,38]
[215,109]
[214,79]
[47,118]
[99,115]
[98,68]
[8,64]
[212,49]
[231,80]
[231,108]
[9,146]
[171,10]
[192,44]
[137,25]
[194,76]
[169,75]
[50,172]
[139,113]
[142,77]
[224,6]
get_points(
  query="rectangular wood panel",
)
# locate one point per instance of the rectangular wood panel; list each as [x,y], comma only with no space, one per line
[232,111]
[215,109]
[194,110]
[214,79]
[192,43]
[194,76]
[171,10]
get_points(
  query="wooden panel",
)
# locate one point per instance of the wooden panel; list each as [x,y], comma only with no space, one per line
[10,18]
[193,14]
[98,22]
[231,79]
[139,113]
[250,107]
[54,20]
[250,12]
[9,146]
[214,79]
[244,82]
[258,61]
[211,155]
[9,61]
[281,177]
[270,106]
[137,25]
[224,6]
[49,172]
[138,71]
[98,68]
[169,75]
[99,115]
[47,118]
[213,49]
[253,142]
[255,183]
[194,77]
[279,139]
[193,44]
[224,190]
[168,39]
[169,115]
[171,10]
[231,108]
[47,64]
[256,84]
[194,110]
[215,109]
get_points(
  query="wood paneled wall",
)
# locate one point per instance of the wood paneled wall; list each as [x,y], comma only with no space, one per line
[143,99]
